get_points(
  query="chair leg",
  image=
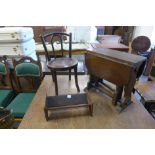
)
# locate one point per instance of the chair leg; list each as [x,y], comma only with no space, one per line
[91,109]
[46,114]
[52,75]
[76,79]
[69,74]
[56,84]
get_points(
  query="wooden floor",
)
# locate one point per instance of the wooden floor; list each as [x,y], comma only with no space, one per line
[146,88]
[105,116]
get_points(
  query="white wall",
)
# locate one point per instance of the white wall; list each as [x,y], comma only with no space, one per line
[153,36]
[143,31]
[83,33]
[148,31]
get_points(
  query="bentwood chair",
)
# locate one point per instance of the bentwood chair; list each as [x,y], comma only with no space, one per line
[6,87]
[28,76]
[56,60]
[140,45]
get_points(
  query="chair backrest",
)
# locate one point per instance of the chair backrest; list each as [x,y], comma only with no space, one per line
[59,43]
[27,70]
[5,77]
[150,62]
[152,70]
[140,44]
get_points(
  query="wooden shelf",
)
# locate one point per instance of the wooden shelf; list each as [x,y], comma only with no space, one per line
[65,102]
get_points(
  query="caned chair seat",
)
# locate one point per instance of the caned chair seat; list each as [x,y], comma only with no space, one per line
[5,97]
[20,104]
[62,63]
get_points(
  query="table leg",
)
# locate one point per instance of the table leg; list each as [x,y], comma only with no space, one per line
[52,75]
[91,109]
[69,74]
[56,84]
[118,95]
[126,100]
[46,114]
[76,79]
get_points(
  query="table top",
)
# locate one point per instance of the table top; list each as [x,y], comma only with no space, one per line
[104,115]
[81,47]
[110,45]
[75,46]
[119,56]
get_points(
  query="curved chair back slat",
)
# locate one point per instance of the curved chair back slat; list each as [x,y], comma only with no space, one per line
[50,39]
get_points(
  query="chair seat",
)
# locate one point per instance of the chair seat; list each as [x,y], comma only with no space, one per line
[62,63]
[5,97]
[20,104]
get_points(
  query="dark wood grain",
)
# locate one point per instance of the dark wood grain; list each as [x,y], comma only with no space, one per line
[63,102]
[62,63]
[140,44]
[119,68]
